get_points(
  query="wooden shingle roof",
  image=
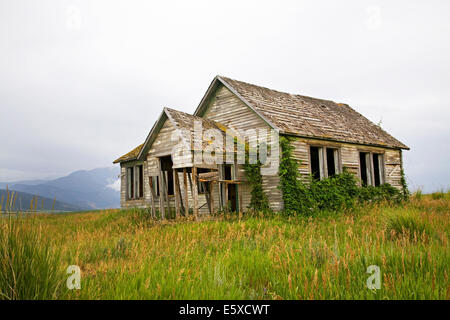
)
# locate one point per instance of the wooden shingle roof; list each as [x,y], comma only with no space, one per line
[309,117]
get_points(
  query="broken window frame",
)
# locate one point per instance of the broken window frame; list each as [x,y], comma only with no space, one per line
[370,174]
[135,182]
[202,186]
[166,174]
[223,202]
[323,160]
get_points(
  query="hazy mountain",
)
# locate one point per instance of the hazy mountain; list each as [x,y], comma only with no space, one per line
[23,202]
[3,185]
[83,189]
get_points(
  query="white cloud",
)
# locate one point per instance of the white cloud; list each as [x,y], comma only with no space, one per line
[115,185]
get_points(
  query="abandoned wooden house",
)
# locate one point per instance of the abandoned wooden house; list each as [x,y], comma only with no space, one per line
[329,137]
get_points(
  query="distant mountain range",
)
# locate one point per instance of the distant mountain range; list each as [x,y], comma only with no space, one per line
[22,202]
[80,190]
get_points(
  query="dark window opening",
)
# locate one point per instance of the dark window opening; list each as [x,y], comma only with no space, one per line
[155,182]
[376,169]
[227,172]
[166,163]
[315,162]
[331,162]
[130,182]
[166,168]
[141,181]
[363,168]
[232,197]
[170,189]
[203,188]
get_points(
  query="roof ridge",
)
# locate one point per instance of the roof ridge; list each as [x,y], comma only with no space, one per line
[278,91]
[190,115]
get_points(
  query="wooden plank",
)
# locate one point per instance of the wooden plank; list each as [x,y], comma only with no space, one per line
[186,198]
[166,193]
[190,182]
[209,176]
[180,194]
[152,196]
[161,192]
[211,196]
[239,191]
[222,195]
[325,162]
[381,166]
[226,194]
[231,181]
[195,190]
[207,196]
[177,194]
[321,163]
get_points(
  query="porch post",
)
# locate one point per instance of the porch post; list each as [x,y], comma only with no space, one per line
[186,198]
[195,190]
[176,192]
[211,196]
[161,190]
[152,192]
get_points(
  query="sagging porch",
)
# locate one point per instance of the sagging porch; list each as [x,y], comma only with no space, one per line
[195,189]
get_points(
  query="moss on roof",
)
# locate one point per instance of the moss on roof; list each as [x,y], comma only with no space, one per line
[132,155]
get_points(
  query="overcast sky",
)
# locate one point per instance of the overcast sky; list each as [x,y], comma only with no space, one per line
[82,82]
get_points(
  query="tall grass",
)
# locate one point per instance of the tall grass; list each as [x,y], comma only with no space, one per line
[125,254]
[29,267]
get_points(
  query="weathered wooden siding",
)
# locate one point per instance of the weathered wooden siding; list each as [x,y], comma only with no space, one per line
[162,146]
[230,111]
[393,167]
[349,158]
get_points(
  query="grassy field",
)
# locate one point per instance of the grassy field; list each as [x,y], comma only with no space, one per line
[126,255]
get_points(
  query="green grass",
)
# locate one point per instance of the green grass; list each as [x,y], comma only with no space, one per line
[123,254]
[30,268]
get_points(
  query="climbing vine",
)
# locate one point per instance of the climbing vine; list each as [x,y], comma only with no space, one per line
[295,193]
[258,200]
[405,190]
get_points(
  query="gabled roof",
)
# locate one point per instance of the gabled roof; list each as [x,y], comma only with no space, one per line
[305,116]
[180,120]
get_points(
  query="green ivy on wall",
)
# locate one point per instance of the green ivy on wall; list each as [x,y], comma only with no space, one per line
[258,200]
[333,194]
[295,193]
